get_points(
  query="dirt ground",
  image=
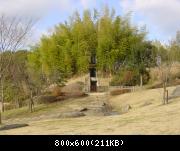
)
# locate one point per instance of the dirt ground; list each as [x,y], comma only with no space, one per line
[146,116]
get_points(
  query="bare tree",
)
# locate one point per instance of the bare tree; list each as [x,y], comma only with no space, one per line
[165,72]
[14,31]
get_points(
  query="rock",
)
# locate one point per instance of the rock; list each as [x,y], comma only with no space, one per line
[83,109]
[125,108]
[97,108]
[71,114]
[175,93]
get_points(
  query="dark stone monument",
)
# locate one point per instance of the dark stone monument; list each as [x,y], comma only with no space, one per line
[92,71]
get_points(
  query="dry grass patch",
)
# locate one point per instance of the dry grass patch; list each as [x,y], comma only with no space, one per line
[150,119]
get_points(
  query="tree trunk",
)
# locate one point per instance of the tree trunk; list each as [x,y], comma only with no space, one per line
[0,118]
[141,80]
[167,97]
[0,112]
[17,103]
[2,95]
[31,102]
[164,93]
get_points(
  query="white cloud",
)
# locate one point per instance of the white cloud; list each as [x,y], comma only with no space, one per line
[88,3]
[161,15]
[41,7]
[33,8]
[47,10]
[36,9]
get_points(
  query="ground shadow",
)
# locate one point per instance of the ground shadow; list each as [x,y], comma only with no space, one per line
[12,126]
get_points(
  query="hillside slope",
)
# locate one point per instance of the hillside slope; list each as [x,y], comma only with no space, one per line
[146,116]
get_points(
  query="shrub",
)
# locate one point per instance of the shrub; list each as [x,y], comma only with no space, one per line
[129,77]
[125,77]
[73,88]
[56,91]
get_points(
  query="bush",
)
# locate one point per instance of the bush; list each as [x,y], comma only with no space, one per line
[76,87]
[129,77]
[56,91]
[8,106]
[126,78]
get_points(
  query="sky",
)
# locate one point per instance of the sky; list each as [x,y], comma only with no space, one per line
[161,17]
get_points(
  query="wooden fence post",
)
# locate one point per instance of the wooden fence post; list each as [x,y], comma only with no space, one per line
[167,97]
[0,118]
[0,112]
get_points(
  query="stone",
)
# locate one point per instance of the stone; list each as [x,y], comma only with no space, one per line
[125,108]
[83,109]
[175,93]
